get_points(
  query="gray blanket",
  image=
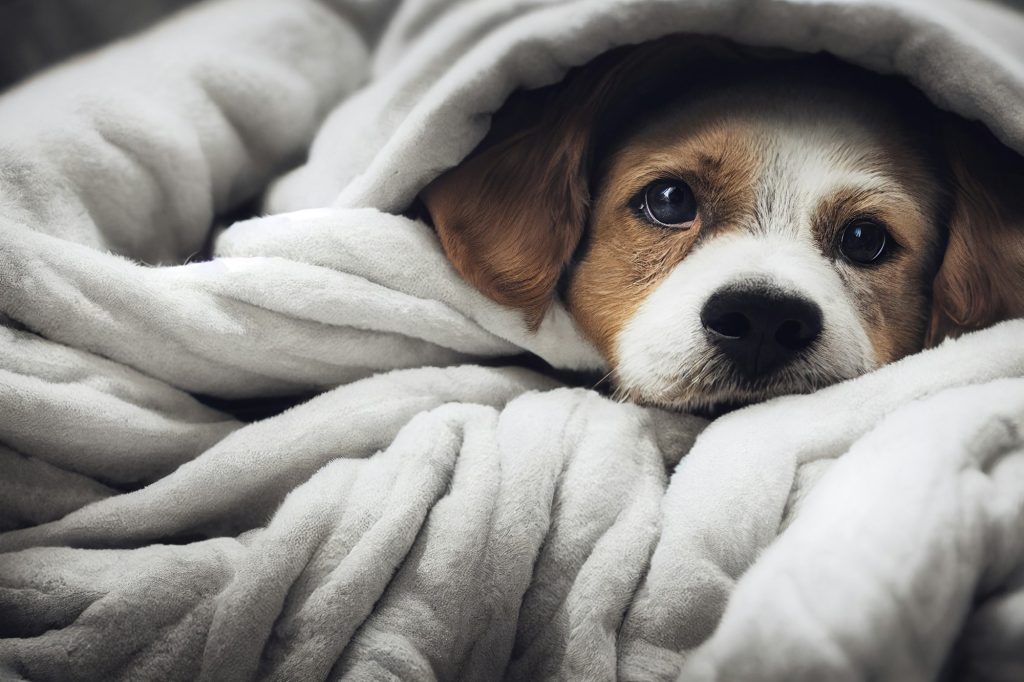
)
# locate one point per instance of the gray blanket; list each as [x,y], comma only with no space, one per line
[431,514]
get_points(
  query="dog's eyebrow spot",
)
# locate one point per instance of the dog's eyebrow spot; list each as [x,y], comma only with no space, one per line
[882,199]
[727,182]
[709,164]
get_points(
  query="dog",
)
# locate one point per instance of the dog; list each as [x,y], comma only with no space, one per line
[728,226]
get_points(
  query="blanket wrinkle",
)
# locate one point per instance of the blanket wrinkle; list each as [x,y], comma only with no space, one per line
[35,491]
[358,540]
[199,337]
[442,322]
[726,530]
[276,454]
[955,530]
[991,638]
[570,609]
[277,86]
[96,397]
[352,247]
[429,514]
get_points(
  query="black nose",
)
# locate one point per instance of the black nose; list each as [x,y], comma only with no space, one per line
[760,329]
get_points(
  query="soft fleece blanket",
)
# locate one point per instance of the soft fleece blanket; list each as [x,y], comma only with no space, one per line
[432,513]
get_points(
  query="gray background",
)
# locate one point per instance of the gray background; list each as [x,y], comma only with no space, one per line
[37,33]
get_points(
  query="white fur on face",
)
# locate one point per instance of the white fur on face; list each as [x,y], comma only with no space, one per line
[664,355]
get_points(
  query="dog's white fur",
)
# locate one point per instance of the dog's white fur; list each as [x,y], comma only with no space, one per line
[664,353]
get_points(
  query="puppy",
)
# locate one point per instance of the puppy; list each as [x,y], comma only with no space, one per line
[728,227]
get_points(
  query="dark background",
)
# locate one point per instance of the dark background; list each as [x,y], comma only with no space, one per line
[37,33]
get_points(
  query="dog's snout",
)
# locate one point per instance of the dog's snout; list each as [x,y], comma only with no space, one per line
[760,329]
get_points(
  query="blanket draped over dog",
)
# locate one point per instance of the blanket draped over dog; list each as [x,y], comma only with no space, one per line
[431,512]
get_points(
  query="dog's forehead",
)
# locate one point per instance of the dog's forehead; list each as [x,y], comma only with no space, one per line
[803,164]
[790,146]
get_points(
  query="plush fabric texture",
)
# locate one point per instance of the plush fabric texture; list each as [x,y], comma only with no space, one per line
[430,511]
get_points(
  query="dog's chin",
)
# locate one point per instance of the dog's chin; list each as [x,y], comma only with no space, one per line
[715,406]
[727,390]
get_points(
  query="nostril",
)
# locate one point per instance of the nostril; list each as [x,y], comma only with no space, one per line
[730,325]
[794,335]
[759,329]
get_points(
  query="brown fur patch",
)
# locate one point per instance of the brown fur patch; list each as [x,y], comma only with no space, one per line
[892,296]
[627,256]
[510,217]
[981,281]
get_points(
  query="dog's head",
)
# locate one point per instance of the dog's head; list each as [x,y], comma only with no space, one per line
[726,231]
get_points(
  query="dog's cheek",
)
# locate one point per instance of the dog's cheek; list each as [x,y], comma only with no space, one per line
[893,307]
[595,300]
[660,348]
[897,324]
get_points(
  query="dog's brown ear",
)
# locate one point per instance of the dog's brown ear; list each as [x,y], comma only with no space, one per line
[981,279]
[510,217]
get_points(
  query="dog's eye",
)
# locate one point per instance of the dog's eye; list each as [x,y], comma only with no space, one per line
[669,203]
[864,241]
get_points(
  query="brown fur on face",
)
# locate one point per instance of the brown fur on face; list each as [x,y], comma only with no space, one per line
[624,257]
[892,297]
[556,200]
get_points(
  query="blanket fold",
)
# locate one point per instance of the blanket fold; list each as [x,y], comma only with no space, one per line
[185,122]
[958,524]
[431,513]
